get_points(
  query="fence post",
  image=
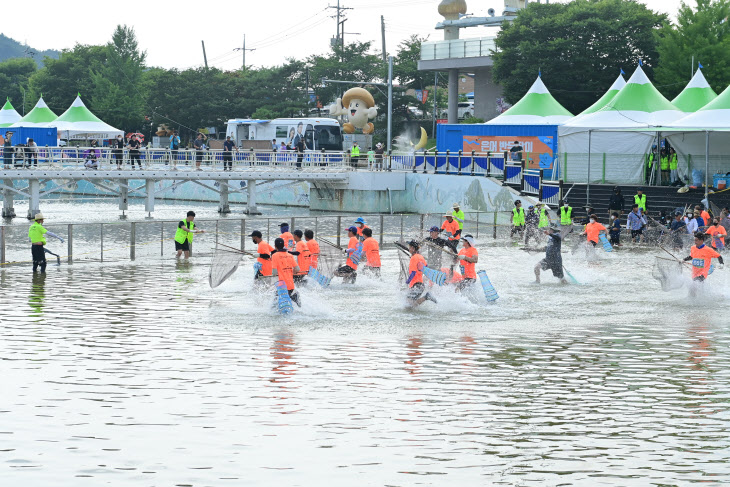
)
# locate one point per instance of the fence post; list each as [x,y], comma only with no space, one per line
[539,185]
[495,225]
[560,189]
[339,229]
[423,217]
[425,163]
[243,234]
[477,224]
[70,243]
[2,244]
[162,238]
[216,233]
[401,227]
[472,162]
[460,153]
[448,160]
[102,242]
[489,163]
[382,230]
[522,175]
[133,240]
[565,167]
[603,178]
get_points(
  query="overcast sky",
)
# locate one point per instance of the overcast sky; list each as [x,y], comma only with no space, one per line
[171,32]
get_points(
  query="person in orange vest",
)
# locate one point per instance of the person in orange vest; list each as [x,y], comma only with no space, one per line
[264,251]
[284,267]
[450,228]
[360,225]
[469,256]
[718,233]
[704,214]
[371,251]
[593,229]
[453,276]
[701,257]
[349,271]
[416,290]
[303,256]
[286,236]
[313,246]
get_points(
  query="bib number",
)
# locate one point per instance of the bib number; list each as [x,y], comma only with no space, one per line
[698,263]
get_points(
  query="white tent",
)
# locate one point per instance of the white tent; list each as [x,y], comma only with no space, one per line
[8,115]
[612,134]
[537,107]
[606,98]
[695,95]
[79,123]
[38,117]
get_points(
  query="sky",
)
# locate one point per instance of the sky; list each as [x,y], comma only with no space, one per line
[171,32]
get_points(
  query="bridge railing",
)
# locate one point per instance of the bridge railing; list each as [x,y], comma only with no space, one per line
[489,164]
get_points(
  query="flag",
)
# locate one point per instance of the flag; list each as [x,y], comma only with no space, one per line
[699,65]
[424,96]
[640,63]
[539,73]
[622,71]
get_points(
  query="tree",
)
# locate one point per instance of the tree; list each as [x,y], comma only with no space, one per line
[405,64]
[117,82]
[702,32]
[14,77]
[579,46]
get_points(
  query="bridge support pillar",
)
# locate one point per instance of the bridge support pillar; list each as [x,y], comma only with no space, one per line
[149,205]
[34,205]
[8,200]
[223,205]
[251,207]
[123,194]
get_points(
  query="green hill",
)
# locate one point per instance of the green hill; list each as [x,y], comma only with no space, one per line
[10,48]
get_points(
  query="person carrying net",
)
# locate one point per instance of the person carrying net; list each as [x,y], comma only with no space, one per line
[553,259]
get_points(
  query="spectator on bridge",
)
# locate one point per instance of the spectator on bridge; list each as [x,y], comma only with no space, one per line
[32,152]
[616,203]
[134,151]
[118,151]
[283,147]
[174,146]
[199,145]
[301,147]
[8,150]
[228,147]
[274,145]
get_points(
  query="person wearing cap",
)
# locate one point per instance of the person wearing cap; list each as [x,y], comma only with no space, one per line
[640,199]
[553,259]
[593,229]
[531,222]
[468,257]
[349,271]
[416,289]
[287,236]
[360,225]
[677,230]
[264,251]
[371,251]
[37,235]
[566,217]
[701,257]
[285,267]
[458,216]
[451,228]
[616,202]
[614,234]
[304,257]
[379,151]
[518,219]
[184,235]
[434,243]
[313,247]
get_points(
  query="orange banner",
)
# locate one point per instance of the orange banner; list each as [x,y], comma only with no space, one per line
[537,149]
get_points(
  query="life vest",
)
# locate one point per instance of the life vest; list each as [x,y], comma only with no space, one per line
[181,235]
[566,216]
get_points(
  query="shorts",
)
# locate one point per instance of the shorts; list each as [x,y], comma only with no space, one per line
[182,246]
[39,255]
[556,267]
[465,283]
[416,290]
[637,233]
[345,269]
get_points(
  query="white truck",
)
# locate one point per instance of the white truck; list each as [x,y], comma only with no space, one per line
[318,133]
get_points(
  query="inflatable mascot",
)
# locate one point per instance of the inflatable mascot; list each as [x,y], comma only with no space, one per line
[359,106]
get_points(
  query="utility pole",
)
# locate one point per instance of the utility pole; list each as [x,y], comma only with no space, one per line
[390,101]
[382,29]
[340,21]
[243,66]
[205,58]
[307,92]
[435,97]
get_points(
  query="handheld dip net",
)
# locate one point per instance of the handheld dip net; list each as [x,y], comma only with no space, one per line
[668,272]
[224,265]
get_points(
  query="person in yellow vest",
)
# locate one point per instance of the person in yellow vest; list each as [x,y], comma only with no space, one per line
[566,218]
[542,213]
[664,166]
[673,161]
[37,235]
[518,220]
[184,235]
[640,199]
[354,154]
[458,215]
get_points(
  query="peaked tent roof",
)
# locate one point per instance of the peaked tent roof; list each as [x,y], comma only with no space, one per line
[8,114]
[638,105]
[537,107]
[607,97]
[38,117]
[79,122]
[715,114]
[695,95]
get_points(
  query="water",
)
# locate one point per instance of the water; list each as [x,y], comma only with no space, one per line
[129,374]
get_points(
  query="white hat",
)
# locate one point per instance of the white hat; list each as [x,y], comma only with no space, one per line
[38,216]
[469,239]
[456,205]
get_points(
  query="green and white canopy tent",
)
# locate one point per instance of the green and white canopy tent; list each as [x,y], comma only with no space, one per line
[537,107]
[38,117]
[606,98]
[695,95]
[614,132]
[79,123]
[8,115]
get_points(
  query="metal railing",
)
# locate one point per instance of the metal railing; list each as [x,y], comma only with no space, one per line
[457,48]
[122,240]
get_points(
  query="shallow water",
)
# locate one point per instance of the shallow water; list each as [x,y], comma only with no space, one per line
[128,374]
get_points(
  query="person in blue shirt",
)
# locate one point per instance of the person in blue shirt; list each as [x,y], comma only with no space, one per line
[614,233]
[677,230]
[174,146]
[636,223]
[700,221]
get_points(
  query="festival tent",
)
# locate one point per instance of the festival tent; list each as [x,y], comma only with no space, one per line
[8,115]
[607,97]
[695,95]
[79,123]
[613,135]
[537,107]
[38,117]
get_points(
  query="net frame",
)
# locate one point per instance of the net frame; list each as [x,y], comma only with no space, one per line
[223,265]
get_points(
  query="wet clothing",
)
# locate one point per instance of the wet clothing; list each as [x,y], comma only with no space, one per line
[284,264]
[288,240]
[415,273]
[372,252]
[416,291]
[36,234]
[553,259]
[544,218]
[434,255]
[718,234]
[264,250]
[701,258]
[614,235]
[459,217]
[304,257]
[359,230]
[593,230]
[469,267]
[313,246]
[352,246]
[518,217]
[635,221]
[451,229]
